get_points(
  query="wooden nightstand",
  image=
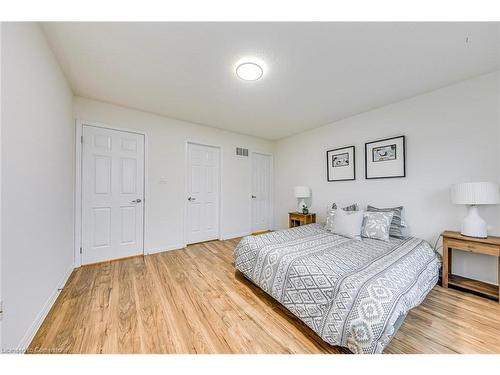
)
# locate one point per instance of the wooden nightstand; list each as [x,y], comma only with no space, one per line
[488,246]
[296,219]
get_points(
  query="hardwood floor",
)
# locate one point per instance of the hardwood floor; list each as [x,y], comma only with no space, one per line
[192,301]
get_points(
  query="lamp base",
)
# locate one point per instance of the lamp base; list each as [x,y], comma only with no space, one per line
[474,225]
[301,205]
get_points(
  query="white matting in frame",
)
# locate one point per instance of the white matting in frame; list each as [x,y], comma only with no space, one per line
[341,164]
[385,158]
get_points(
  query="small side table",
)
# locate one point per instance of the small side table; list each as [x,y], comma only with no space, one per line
[296,219]
[488,246]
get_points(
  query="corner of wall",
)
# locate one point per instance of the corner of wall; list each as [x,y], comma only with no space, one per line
[35,326]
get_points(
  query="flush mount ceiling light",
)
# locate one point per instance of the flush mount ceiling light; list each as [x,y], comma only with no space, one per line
[249,71]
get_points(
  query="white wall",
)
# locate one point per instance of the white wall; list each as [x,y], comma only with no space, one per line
[165,203]
[1,298]
[37,180]
[452,136]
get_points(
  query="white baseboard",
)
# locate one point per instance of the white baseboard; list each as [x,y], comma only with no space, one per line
[165,248]
[179,246]
[35,326]
[229,236]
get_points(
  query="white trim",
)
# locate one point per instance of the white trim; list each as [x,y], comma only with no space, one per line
[230,236]
[35,326]
[77,259]
[77,205]
[221,191]
[271,187]
[156,250]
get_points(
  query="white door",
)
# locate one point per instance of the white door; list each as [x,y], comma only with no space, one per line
[112,194]
[202,222]
[261,192]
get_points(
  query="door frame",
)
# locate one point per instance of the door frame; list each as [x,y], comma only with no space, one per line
[271,188]
[186,166]
[77,204]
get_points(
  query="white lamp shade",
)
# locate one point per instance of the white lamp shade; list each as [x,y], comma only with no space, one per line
[301,192]
[475,193]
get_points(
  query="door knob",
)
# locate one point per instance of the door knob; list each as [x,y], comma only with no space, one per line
[253,196]
[138,200]
[191,199]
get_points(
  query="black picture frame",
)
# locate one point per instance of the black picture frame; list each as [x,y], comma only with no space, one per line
[352,161]
[402,154]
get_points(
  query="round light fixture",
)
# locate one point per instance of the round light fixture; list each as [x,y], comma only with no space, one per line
[249,71]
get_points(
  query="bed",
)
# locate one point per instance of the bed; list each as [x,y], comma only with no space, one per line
[352,293]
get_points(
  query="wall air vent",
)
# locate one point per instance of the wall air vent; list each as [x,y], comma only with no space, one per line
[241,151]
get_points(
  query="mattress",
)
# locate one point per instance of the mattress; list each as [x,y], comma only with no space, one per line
[352,293]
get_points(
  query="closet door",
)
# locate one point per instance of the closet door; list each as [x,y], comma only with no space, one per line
[112,194]
[203,187]
[261,192]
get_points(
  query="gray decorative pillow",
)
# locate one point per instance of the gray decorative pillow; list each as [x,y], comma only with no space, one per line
[377,225]
[395,230]
[330,214]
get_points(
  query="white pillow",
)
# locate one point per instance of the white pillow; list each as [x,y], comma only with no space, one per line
[348,224]
[330,214]
[404,224]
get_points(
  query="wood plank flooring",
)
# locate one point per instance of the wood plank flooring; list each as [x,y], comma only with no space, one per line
[192,301]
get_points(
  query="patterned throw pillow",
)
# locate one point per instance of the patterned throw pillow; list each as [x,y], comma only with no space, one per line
[377,225]
[330,214]
[395,230]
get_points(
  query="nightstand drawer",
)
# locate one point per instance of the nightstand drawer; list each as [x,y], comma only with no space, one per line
[474,247]
[297,217]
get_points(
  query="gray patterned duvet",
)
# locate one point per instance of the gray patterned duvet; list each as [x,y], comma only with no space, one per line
[351,293]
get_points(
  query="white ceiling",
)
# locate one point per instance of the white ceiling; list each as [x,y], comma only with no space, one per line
[315,73]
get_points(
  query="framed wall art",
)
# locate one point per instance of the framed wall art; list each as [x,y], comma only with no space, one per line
[385,158]
[340,164]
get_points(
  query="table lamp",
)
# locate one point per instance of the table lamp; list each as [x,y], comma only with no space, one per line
[474,194]
[301,192]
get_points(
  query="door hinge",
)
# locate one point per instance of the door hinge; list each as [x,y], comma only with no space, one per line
[81,139]
[1,310]
[80,249]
